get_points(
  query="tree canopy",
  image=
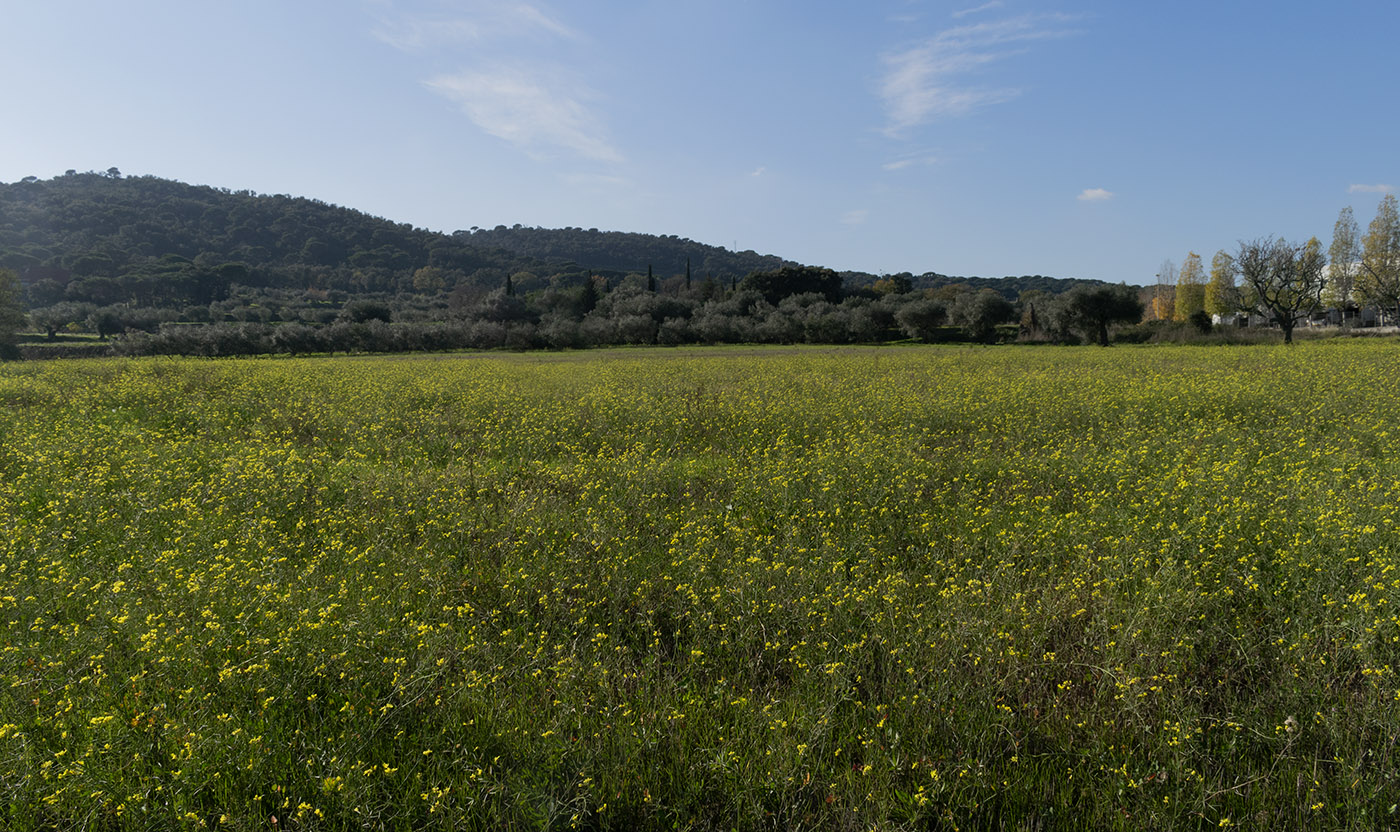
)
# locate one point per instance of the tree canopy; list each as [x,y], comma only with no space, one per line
[1093,309]
[794,280]
[620,251]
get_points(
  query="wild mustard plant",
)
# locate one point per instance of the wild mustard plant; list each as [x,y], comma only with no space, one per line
[861,588]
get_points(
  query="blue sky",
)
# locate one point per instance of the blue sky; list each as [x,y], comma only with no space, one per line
[1075,139]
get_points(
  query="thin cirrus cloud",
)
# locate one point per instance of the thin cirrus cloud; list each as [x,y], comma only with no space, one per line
[1371,189]
[541,108]
[529,112]
[985,7]
[1094,195]
[911,160]
[926,82]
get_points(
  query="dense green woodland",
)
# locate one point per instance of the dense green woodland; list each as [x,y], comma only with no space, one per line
[171,267]
[106,238]
[620,251]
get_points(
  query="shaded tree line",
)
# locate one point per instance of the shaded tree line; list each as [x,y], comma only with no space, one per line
[599,314]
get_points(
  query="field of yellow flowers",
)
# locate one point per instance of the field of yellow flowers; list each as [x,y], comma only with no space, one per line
[854,588]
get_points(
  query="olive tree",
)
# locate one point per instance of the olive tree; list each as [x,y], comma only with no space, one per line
[978,313]
[1093,308]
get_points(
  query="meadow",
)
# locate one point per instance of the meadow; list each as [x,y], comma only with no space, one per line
[818,588]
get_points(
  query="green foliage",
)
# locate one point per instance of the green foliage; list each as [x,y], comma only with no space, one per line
[12,316]
[1344,254]
[128,255]
[794,280]
[1378,281]
[1093,309]
[897,284]
[978,313]
[149,241]
[363,311]
[1222,297]
[106,322]
[1190,288]
[618,251]
[923,318]
[1009,287]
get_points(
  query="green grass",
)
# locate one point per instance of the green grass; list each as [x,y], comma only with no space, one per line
[819,588]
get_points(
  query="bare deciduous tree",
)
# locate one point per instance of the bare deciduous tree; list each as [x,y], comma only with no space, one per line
[1282,281]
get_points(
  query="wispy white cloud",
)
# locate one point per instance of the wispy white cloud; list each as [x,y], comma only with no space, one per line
[542,106]
[1371,189]
[536,114]
[920,159]
[922,83]
[1094,195]
[856,217]
[472,22]
[985,7]
[536,19]
[759,171]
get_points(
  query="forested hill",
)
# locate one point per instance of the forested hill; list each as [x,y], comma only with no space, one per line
[105,238]
[622,251]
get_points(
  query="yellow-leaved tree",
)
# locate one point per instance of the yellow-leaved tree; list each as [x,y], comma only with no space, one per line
[1345,254]
[1222,298]
[1378,279]
[1190,288]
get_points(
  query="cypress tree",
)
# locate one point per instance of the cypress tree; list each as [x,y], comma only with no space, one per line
[12,317]
[590,294]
